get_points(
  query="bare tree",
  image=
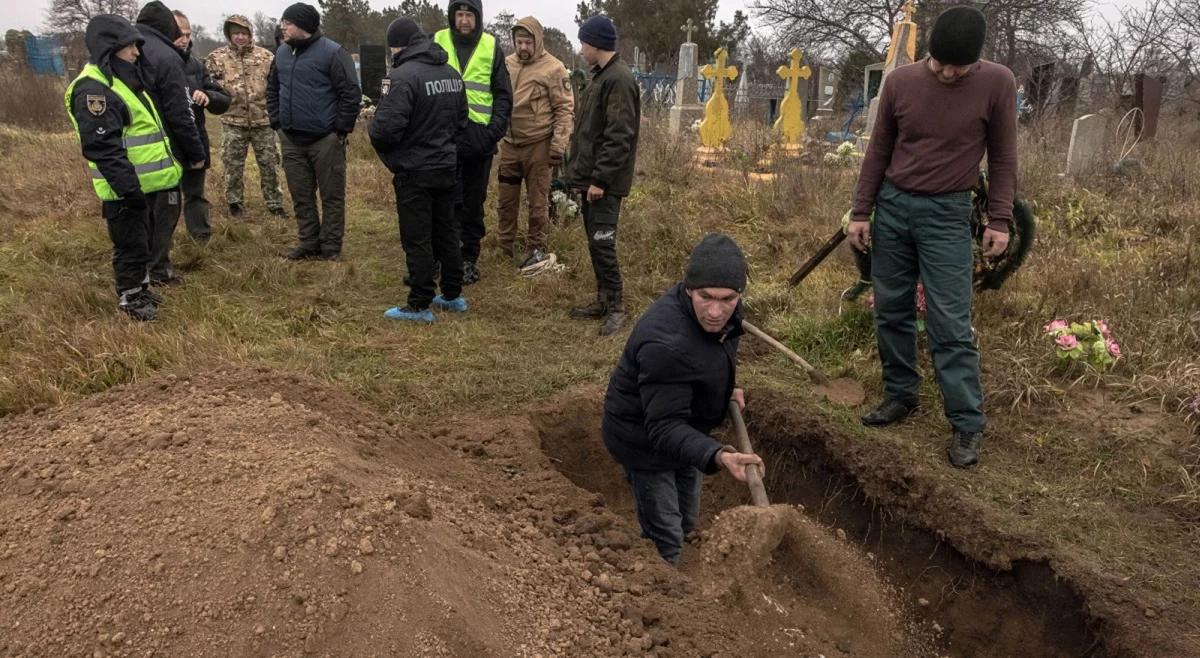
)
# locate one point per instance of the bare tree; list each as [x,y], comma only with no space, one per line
[72,16]
[264,29]
[831,28]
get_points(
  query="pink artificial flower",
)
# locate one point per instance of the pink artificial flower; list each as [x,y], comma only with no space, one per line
[1103,327]
[921,297]
[1113,348]
[1067,341]
[1057,325]
[1194,405]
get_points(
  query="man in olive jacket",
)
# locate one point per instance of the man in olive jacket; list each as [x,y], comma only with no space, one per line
[602,154]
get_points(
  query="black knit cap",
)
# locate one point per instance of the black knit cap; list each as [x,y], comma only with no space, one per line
[717,262]
[957,36]
[599,32]
[304,16]
[401,32]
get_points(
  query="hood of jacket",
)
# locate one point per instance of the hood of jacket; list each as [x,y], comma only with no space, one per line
[420,49]
[156,15]
[475,6]
[106,34]
[237,20]
[534,27]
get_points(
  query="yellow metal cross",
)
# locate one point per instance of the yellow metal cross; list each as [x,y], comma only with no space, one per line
[716,127]
[791,111]
[908,10]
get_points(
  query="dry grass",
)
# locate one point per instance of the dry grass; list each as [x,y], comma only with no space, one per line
[1062,457]
[32,101]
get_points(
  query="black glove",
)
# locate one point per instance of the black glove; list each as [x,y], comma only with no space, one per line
[135,201]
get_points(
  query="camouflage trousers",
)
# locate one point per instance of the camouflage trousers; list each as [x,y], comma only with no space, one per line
[235,142]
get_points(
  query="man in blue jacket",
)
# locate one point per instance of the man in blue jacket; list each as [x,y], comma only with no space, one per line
[415,131]
[313,99]
[672,386]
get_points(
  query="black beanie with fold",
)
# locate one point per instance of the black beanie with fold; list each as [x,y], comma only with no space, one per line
[957,36]
[717,262]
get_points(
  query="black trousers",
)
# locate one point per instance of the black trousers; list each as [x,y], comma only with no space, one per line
[195,206]
[129,231]
[600,222]
[319,167]
[429,233]
[473,178]
[164,217]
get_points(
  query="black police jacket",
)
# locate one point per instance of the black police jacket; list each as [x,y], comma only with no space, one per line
[419,120]
[671,387]
[162,71]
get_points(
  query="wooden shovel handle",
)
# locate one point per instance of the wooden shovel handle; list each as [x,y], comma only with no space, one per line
[816,375]
[758,493]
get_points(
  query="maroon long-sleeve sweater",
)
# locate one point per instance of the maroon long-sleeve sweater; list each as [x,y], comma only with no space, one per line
[930,137]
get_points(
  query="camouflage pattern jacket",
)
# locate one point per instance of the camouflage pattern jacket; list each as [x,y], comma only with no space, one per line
[243,73]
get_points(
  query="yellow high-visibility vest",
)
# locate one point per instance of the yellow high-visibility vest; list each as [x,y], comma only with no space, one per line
[477,77]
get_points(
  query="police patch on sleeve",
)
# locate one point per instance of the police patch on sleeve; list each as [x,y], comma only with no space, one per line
[567,84]
[97,104]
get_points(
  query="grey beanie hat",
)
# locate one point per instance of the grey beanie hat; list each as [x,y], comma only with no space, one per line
[717,262]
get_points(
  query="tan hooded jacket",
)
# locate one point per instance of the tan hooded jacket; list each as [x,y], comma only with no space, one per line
[543,103]
[243,73]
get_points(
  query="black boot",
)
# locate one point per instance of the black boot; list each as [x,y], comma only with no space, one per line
[236,210]
[594,311]
[614,319]
[964,449]
[138,306]
[888,412]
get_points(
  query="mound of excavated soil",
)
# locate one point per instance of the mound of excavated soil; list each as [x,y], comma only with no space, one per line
[253,513]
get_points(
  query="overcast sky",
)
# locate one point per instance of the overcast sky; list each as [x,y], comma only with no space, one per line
[31,14]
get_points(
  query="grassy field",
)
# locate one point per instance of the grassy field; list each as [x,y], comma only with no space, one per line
[1105,464]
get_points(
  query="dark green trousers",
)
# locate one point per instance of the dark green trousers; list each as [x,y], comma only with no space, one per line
[926,237]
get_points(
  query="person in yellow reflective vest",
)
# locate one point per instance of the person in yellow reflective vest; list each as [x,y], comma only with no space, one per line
[129,155]
[478,58]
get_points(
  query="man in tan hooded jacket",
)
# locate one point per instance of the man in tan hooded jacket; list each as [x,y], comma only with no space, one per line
[542,117]
[242,67]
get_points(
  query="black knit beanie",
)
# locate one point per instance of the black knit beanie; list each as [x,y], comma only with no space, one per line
[717,262]
[599,32]
[957,36]
[401,32]
[304,16]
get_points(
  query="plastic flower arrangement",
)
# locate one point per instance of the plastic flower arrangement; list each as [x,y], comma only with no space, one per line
[1090,342]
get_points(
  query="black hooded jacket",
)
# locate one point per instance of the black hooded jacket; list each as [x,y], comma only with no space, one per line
[197,77]
[670,388]
[162,70]
[101,123]
[419,120]
[480,141]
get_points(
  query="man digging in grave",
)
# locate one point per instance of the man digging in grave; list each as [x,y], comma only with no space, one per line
[936,119]
[672,386]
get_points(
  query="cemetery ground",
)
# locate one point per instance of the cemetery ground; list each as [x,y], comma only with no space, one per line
[273,468]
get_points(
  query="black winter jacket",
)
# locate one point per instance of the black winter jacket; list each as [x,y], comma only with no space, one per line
[313,90]
[197,77]
[101,128]
[671,387]
[480,141]
[607,119]
[420,118]
[162,70]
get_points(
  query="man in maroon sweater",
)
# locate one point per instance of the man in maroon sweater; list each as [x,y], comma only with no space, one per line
[936,120]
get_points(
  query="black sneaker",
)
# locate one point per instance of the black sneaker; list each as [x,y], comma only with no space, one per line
[964,449]
[164,280]
[471,273]
[594,311]
[887,413]
[301,253]
[330,255]
[154,297]
[139,307]
[236,210]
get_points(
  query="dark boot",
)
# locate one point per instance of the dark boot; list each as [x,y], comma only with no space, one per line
[888,412]
[964,449]
[138,306]
[302,253]
[615,318]
[594,311]
[236,210]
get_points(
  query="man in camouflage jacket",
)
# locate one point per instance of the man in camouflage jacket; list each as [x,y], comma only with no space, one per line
[242,68]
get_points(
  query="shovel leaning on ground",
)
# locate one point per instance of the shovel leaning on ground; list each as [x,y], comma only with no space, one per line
[842,390]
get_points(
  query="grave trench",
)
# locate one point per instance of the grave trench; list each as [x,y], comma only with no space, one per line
[982,612]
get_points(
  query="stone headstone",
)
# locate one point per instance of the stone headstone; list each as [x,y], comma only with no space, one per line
[373,68]
[1148,97]
[687,107]
[1087,143]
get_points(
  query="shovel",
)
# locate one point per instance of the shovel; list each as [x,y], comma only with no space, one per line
[842,390]
[758,493]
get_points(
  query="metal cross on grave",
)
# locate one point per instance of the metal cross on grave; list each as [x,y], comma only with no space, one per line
[908,10]
[690,28]
[716,128]
[720,73]
[791,112]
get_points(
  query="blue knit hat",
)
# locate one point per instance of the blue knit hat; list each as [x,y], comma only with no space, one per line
[599,32]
